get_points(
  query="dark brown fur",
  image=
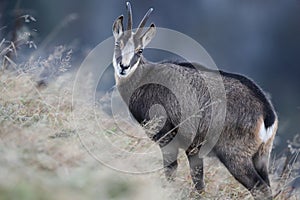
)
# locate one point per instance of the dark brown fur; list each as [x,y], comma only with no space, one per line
[239,146]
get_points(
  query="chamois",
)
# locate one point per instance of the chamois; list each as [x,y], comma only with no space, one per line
[250,124]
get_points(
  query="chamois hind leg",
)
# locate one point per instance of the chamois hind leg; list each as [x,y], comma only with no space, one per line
[261,162]
[196,169]
[243,170]
[170,154]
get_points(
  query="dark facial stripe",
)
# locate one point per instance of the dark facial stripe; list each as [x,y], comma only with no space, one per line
[118,55]
[134,59]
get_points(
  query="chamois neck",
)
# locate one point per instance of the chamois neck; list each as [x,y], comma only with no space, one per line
[127,85]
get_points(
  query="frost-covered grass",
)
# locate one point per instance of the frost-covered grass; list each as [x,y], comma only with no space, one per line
[43,155]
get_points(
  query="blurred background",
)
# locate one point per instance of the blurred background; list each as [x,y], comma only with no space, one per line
[260,39]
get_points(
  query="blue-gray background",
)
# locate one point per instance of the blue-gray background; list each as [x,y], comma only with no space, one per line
[258,38]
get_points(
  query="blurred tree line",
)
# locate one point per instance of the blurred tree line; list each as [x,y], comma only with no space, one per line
[260,39]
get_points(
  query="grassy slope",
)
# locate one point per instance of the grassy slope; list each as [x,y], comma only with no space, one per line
[42,157]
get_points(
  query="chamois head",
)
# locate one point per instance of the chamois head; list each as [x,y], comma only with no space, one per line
[129,45]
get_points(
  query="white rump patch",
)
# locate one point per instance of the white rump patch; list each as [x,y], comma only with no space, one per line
[266,134]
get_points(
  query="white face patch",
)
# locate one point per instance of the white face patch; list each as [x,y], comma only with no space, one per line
[115,62]
[132,69]
[128,52]
[127,57]
[126,72]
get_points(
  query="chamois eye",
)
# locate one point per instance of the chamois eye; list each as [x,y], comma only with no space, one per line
[140,51]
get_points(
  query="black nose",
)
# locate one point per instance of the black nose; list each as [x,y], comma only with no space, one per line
[124,67]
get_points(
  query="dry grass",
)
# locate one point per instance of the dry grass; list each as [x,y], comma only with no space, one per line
[44,151]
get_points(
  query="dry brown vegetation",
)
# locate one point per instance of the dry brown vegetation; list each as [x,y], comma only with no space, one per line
[44,154]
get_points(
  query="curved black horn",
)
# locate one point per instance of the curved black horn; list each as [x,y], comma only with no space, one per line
[143,22]
[129,24]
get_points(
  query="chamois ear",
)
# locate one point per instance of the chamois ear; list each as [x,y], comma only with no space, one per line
[148,35]
[118,28]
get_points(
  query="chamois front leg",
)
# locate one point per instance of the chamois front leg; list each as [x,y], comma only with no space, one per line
[170,154]
[196,169]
